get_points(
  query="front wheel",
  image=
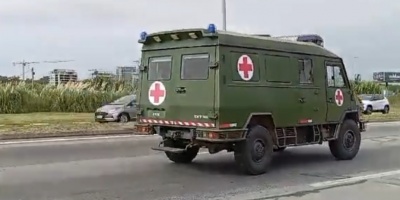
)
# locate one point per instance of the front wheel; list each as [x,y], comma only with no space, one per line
[347,145]
[123,118]
[254,155]
[368,111]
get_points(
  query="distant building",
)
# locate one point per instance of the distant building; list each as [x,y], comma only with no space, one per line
[63,76]
[126,73]
[101,73]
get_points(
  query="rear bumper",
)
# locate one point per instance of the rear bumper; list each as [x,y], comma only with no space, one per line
[191,133]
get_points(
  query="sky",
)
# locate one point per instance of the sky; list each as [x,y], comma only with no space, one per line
[103,34]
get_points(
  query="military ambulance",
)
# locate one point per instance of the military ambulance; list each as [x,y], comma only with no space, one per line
[248,94]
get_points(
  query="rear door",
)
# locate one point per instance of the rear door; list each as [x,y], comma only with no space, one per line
[338,94]
[178,87]
[195,86]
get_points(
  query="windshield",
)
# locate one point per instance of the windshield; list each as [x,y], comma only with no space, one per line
[366,97]
[123,100]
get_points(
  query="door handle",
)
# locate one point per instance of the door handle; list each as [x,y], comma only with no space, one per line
[180,90]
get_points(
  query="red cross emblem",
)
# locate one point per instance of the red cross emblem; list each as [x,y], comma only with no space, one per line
[245,67]
[339,98]
[157,93]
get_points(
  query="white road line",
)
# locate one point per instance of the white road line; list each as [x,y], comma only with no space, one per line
[354,179]
[71,139]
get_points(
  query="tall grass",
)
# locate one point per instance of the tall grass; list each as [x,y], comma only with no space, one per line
[71,97]
[367,87]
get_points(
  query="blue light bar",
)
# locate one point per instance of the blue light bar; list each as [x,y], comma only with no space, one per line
[143,35]
[314,38]
[211,28]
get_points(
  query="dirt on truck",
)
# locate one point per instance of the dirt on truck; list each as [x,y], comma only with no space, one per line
[247,94]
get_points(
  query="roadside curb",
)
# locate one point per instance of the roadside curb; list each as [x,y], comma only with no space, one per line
[383,121]
[18,136]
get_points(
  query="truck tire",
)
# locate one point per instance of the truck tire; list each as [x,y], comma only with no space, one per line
[254,155]
[183,158]
[347,145]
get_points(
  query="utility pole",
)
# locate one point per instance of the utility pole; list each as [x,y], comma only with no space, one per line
[33,75]
[224,15]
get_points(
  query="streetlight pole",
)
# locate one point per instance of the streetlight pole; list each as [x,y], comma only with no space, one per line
[224,15]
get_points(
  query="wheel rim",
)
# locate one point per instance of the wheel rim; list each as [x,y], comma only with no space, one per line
[124,118]
[258,150]
[349,140]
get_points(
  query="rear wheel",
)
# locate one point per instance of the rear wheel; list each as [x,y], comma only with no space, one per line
[254,155]
[347,145]
[385,110]
[184,157]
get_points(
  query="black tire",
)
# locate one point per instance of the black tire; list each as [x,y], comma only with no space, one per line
[386,110]
[258,139]
[347,145]
[123,118]
[369,110]
[182,158]
[280,149]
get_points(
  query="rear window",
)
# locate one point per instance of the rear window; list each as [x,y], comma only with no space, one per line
[195,67]
[160,68]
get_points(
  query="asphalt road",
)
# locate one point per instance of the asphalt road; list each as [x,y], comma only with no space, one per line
[126,168]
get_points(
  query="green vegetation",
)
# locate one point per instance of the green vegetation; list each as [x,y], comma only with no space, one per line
[46,117]
[19,97]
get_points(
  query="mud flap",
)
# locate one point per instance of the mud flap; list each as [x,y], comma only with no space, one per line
[363,126]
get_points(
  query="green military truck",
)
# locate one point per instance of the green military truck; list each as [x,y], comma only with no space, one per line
[247,94]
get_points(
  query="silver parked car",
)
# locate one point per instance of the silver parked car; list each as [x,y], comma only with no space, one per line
[121,110]
[375,103]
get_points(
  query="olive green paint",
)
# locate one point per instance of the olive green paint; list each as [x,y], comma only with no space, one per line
[275,87]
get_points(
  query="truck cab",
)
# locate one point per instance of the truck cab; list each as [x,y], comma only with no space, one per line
[248,94]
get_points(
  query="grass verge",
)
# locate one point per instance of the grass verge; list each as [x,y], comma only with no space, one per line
[62,128]
[393,115]
[45,117]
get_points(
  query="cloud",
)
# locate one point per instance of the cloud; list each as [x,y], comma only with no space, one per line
[104,33]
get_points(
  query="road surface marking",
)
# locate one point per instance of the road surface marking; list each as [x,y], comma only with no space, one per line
[354,179]
[72,139]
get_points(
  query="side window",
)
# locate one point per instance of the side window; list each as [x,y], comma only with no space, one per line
[305,71]
[195,67]
[334,76]
[159,68]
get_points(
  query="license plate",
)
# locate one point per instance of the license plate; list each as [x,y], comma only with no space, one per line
[99,116]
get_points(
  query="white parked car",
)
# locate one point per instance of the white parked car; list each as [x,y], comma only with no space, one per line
[375,103]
